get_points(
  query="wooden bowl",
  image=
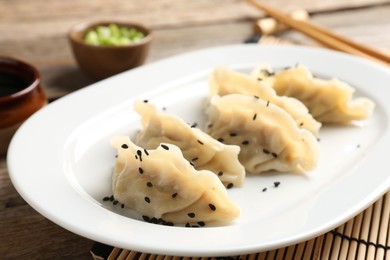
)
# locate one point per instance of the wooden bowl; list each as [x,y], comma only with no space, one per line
[21,95]
[100,62]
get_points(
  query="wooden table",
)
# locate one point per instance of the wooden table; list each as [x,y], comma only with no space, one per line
[35,31]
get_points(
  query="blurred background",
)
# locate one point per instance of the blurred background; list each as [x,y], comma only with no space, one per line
[36,31]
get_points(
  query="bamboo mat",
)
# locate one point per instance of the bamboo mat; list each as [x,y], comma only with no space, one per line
[366,236]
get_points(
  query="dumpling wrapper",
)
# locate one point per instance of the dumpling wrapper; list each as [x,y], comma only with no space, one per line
[329,101]
[268,136]
[161,183]
[224,81]
[203,151]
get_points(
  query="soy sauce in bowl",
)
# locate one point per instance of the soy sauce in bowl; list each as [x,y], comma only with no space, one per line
[11,83]
[21,95]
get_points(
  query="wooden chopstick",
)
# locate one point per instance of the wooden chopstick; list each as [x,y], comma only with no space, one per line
[323,35]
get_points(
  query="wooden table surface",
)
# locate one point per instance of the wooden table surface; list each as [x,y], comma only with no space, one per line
[35,31]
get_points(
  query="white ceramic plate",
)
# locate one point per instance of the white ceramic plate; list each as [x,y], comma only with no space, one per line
[60,160]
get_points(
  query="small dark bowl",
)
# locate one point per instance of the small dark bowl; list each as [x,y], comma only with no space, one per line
[100,62]
[21,95]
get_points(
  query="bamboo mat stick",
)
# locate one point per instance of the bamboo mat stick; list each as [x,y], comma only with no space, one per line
[280,254]
[327,246]
[365,229]
[299,251]
[271,254]
[337,243]
[309,249]
[357,223]
[387,255]
[385,216]
[346,243]
[290,252]
[374,230]
[318,247]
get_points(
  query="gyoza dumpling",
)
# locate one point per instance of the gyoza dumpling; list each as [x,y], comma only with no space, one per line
[203,151]
[329,101]
[224,81]
[162,184]
[268,136]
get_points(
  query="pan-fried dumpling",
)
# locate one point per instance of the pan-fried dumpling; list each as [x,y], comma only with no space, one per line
[268,136]
[224,81]
[329,101]
[203,151]
[161,184]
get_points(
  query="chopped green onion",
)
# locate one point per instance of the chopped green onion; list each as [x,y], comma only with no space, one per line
[112,35]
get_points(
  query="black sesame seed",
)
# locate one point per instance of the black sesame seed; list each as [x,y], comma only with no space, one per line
[267,103]
[229,186]
[149,184]
[201,223]
[256,97]
[194,125]
[106,198]
[194,159]
[124,146]
[147,199]
[233,134]
[265,151]
[246,142]
[220,173]
[146,152]
[174,195]
[154,220]
[140,170]
[264,190]
[146,101]
[165,147]
[277,183]
[221,140]
[112,198]
[139,152]
[274,155]
[254,117]
[136,157]
[192,164]
[188,225]
[146,218]
[191,215]
[195,226]
[200,142]
[212,207]
[115,202]
[122,205]
[167,223]
[301,124]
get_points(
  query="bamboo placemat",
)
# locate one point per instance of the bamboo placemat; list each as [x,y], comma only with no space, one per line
[366,236]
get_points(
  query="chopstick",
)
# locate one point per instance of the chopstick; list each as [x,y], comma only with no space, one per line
[323,35]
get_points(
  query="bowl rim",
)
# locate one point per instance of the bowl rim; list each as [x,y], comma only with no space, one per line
[15,63]
[83,27]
